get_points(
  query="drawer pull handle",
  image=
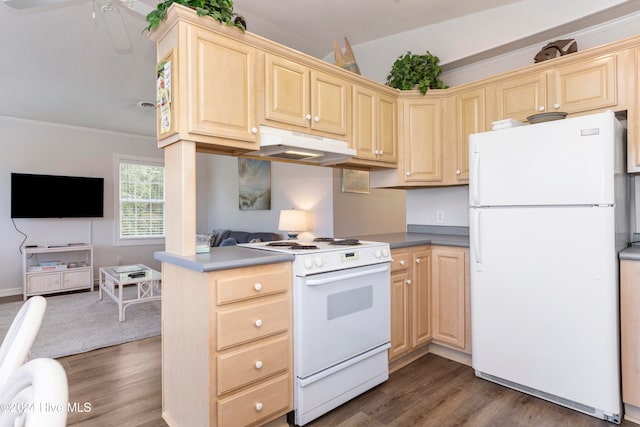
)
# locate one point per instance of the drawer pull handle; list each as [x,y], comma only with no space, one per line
[258,407]
[259,364]
[258,323]
[401,262]
[257,287]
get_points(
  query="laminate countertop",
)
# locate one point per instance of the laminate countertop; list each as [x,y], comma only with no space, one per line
[224,258]
[631,253]
[404,240]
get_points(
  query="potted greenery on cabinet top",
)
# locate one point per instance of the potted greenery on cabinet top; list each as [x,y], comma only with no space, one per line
[412,70]
[220,10]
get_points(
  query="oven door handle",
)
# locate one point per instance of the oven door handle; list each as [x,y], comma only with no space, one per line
[317,282]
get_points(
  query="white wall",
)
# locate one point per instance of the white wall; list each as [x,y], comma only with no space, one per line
[44,148]
[292,186]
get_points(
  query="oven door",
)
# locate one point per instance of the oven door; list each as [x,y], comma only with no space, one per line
[339,315]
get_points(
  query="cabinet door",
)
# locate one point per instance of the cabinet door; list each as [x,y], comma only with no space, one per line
[387,129]
[286,92]
[521,97]
[364,122]
[421,298]
[400,285]
[629,328]
[221,87]
[583,86]
[633,120]
[422,158]
[41,283]
[76,279]
[449,299]
[469,118]
[330,97]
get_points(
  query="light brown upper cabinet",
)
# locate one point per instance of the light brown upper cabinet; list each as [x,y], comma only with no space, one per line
[221,69]
[422,140]
[297,97]
[571,88]
[633,114]
[466,116]
[374,135]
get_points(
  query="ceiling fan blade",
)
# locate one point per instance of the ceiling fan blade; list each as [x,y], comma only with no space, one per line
[137,7]
[116,28]
[28,4]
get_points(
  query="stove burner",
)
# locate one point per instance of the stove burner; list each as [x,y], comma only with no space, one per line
[284,244]
[324,239]
[346,242]
[304,247]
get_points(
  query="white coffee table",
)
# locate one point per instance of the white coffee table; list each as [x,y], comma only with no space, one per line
[114,279]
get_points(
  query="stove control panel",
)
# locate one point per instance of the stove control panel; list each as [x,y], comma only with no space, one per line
[313,263]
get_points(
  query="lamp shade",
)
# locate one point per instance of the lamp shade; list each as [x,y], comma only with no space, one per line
[293,220]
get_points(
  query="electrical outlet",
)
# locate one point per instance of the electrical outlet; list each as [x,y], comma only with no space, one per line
[440,217]
[119,259]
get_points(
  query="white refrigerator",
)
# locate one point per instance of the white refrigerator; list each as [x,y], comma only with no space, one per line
[549,212]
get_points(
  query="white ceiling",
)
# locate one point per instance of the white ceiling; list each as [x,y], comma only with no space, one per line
[60,65]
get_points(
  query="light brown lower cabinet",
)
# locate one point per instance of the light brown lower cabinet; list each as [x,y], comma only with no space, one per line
[226,345]
[629,327]
[429,299]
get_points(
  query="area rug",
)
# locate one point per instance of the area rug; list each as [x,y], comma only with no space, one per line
[80,322]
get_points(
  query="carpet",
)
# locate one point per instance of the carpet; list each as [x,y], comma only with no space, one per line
[80,322]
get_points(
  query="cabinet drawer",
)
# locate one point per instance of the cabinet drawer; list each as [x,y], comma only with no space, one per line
[43,282]
[245,366]
[76,279]
[399,260]
[259,281]
[252,322]
[257,403]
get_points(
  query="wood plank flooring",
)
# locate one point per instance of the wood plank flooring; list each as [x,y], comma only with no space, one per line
[122,385]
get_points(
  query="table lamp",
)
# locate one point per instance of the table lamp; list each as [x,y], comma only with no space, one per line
[293,221]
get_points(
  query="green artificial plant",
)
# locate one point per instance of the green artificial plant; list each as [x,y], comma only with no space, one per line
[220,10]
[410,70]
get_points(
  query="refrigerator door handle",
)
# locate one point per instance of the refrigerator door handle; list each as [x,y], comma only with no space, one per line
[475,238]
[475,179]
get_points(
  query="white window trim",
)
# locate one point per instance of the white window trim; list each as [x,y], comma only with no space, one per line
[117,240]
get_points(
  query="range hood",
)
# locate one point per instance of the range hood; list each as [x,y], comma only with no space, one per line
[279,144]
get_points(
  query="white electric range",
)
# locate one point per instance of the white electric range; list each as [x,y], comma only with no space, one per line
[341,329]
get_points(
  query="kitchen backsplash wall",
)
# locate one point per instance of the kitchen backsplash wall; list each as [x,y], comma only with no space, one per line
[438,206]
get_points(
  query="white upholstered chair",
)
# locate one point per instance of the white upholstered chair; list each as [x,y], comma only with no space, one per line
[17,343]
[36,395]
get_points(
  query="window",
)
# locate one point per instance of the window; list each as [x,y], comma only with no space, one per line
[140,201]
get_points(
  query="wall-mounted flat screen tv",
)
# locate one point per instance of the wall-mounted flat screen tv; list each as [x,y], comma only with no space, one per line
[55,196]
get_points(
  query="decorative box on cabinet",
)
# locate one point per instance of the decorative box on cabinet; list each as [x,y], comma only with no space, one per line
[237,327]
[75,269]
[301,98]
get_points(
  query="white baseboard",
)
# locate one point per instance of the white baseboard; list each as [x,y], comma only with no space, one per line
[632,413]
[10,292]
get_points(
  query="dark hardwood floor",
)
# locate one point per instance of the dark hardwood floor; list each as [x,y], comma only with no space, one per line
[122,384]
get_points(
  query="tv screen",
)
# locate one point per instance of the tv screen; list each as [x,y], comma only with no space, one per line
[54,196]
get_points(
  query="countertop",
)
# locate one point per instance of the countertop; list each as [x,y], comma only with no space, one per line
[403,240]
[226,257]
[223,258]
[631,253]
[423,235]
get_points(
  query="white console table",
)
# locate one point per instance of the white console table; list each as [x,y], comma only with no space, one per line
[57,269]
